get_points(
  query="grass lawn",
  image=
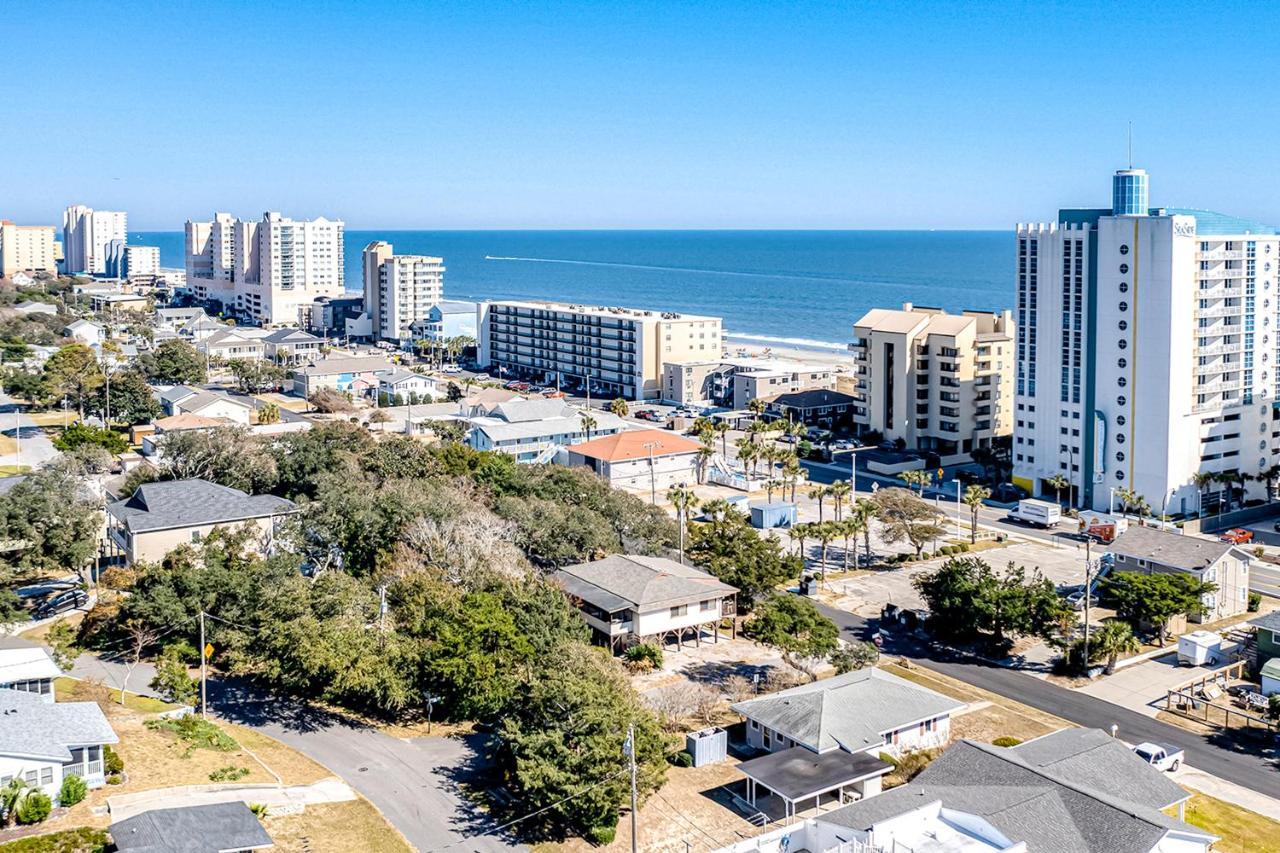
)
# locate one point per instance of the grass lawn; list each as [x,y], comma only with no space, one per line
[80,840]
[50,418]
[7,445]
[353,827]
[10,470]
[1242,831]
[75,690]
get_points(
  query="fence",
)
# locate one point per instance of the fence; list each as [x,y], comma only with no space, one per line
[1235,518]
[1195,701]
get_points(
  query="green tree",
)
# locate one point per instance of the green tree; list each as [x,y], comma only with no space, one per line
[619,407]
[63,644]
[973,498]
[174,362]
[731,549]
[73,790]
[172,680]
[683,501]
[794,627]
[230,456]
[854,655]
[269,413]
[254,377]
[27,384]
[588,422]
[1156,598]
[1113,639]
[1058,482]
[79,435]
[903,516]
[918,480]
[56,522]
[132,399]
[73,373]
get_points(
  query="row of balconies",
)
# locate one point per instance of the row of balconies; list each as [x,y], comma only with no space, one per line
[1220,255]
[1219,311]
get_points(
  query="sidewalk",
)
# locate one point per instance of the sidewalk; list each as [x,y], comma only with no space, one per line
[277,799]
[1230,792]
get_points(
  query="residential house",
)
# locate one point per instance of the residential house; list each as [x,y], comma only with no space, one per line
[1268,636]
[356,375]
[183,399]
[408,385]
[817,406]
[30,307]
[735,382]
[629,599]
[185,422]
[827,736]
[201,327]
[86,332]
[291,346]
[29,669]
[449,318]
[213,828]
[161,516]
[173,319]
[240,344]
[1074,790]
[536,430]
[43,742]
[648,460]
[113,303]
[1150,551]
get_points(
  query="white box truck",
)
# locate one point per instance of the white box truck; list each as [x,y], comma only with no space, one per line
[1039,513]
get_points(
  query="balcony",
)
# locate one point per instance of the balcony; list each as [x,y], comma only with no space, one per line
[1219,311]
[1220,255]
[1220,387]
[1218,367]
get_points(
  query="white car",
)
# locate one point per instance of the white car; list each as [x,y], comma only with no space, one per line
[452,368]
[1160,757]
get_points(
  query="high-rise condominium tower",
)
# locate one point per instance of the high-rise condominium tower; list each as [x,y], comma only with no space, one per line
[267,271]
[1146,352]
[86,233]
[399,291]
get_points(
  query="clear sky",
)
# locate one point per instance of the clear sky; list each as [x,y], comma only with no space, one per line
[653,115]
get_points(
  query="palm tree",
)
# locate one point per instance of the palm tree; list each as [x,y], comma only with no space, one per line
[755,429]
[1128,497]
[771,486]
[683,499]
[825,532]
[1203,480]
[756,407]
[588,421]
[848,528]
[705,452]
[918,480]
[269,414]
[717,509]
[1113,639]
[748,453]
[839,490]
[1058,483]
[619,407]
[1269,476]
[863,510]
[798,533]
[1143,509]
[721,429]
[793,472]
[973,498]
[796,429]
[819,493]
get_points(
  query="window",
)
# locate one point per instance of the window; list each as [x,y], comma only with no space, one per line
[708,605]
[755,727]
[46,775]
[681,610]
[1124,268]
[1124,250]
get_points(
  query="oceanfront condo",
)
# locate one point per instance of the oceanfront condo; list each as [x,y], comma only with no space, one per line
[939,382]
[86,233]
[270,271]
[399,291]
[26,248]
[1145,351]
[620,352]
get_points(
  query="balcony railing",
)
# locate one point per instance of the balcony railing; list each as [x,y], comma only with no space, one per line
[1219,311]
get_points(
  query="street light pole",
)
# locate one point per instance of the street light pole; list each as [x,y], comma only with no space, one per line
[959,535]
[653,482]
[1088,571]
[630,748]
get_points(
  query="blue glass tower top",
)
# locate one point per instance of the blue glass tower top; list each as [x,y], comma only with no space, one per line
[1129,193]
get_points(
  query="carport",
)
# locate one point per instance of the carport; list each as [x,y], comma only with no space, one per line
[797,775]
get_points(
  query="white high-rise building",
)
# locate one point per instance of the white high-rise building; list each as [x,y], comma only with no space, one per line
[1146,351]
[86,234]
[268,271]
[399,291]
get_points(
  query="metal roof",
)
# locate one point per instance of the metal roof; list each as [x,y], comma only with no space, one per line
[641,583]
[799,773]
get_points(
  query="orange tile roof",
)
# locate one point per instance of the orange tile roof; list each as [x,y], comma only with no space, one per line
[187,420]
[631,445]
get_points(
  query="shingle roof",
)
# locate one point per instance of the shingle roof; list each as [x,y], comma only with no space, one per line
[631,445]
[187,420]
[296,336]
[21,664]
[641,583]
[535,409]
[397,375]
[852,711]
[354,364]
[1024,803]
[176,393]
[810,399]
[29,726]
[204,399]
[1181,551]
[1095,760]
[188,503]
[1270,621]
[191,829]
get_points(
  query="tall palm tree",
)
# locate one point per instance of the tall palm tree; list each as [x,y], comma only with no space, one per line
[1203,480]
[848,528]
[755,429]
[973,498]
[839,490]
[588,421]
[717,509]
[1128,497]
[1058,483]
[819,493]
[771,486]
[863,510]
[705,452]
[825,532]
[798,533]
[684,500]
[756,407]
[793,472]
[1269,476]
[722,429]
[795,429]
[748,453]
[1113,639]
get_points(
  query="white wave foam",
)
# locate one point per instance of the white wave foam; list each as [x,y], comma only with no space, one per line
[799,343]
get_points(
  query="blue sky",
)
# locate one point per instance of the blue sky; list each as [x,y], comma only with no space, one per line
[698,114]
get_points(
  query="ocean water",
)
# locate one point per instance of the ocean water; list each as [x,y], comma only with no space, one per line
[798,288]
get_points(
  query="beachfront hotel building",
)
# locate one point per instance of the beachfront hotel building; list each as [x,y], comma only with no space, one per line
[621,352]
[26,248]
[1147,350]
[940,382]
[735,382]
[399,291]
[269,271]
[86,234]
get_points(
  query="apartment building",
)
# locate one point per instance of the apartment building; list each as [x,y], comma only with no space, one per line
[400,290]
[1145,350]
[269,271]
[86,234]
[735,382]
[938,381]
[620,352]
[125,261]
[26,248]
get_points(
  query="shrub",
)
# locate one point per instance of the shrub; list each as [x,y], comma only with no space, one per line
[1255,601]
[644,652]
[33,807]
[680,759]
[602,834]
[259,810]
[1006,741]
[197,732]
[111,761]
[964,547]
[73,790]
[81,840]
[230,773]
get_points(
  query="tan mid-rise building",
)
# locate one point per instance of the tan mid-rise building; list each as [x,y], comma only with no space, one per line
[26,248]
[938,381]
[621,352]
[735,382]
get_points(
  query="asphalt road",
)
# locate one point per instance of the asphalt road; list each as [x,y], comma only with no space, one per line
[1218,756]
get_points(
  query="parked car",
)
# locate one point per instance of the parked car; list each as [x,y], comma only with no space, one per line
[452,368]
[1007,493]
[787,438]
[481,377]
[1237,536]
[645,414]
[62,602]
[1160,757]
[1076,600]
[843,444]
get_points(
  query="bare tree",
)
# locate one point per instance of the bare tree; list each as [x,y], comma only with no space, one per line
[139,637]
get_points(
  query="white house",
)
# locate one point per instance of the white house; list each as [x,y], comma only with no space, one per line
[41,743]
[184,400]
[639,460]
[173,319]
[291,346]
[28,669]
[535,430]
[86,332]
[406,382]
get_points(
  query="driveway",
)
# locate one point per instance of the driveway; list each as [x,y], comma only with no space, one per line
[1142,686]
[413,782]
[34,447]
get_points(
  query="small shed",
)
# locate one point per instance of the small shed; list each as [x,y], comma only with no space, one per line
[1270,677]
[741,503]
[708,746]
[1199,648]
[766,516]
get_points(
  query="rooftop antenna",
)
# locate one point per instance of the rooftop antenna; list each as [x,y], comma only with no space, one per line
[1130,145]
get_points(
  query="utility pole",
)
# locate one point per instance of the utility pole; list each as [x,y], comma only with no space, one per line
[204,656]
[382,613]
[1088,571]
[653,481]
[630,748]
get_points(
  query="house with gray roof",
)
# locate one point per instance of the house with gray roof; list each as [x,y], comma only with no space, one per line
[449,318]
[30,669]
[185,400]
[1040,797]
[160,517]
[41,743]
[1268,634]
[629,599]
[407,384]
[173,319]
[1148,550]
[214,828]
[290,346]
[535,430]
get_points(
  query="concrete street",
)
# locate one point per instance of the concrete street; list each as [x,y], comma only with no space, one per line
[34,447]
[1257,769]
